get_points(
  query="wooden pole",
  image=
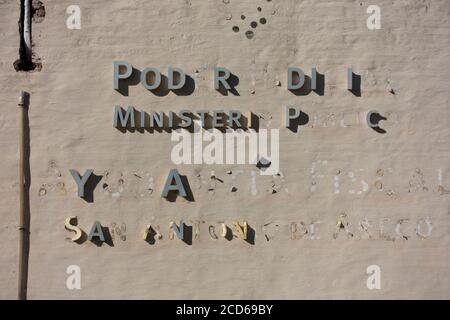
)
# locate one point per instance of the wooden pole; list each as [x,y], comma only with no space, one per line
[23,232]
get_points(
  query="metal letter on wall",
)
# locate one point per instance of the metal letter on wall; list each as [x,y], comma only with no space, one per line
[81,181]
[117,76]
[96,232]
[221,79]
[178,186]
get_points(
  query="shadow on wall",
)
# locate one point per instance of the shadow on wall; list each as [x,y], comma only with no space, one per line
[108,238]
[250,234]
[187,232]
[25,200]
[307,86]
[356,85]
[374,120]
[301,120]
[142,121]
[89,187]
[233,81]
[151,237]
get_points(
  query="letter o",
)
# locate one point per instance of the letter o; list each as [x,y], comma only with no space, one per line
[156,82]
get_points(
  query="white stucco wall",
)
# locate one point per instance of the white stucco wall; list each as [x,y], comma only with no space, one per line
[71,111]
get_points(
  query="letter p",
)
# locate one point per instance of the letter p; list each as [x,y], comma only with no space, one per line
[118,74]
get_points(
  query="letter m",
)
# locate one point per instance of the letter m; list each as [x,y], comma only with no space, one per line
[121,120]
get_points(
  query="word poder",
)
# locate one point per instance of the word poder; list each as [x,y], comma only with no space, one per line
[151,78]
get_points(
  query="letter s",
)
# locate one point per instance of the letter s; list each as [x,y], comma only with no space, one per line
[72,227]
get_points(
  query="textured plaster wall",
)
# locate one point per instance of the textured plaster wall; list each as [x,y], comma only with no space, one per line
[71,111]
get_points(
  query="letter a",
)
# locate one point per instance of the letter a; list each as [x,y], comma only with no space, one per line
[73,281]
[374,20]
[96,231]
[178,186]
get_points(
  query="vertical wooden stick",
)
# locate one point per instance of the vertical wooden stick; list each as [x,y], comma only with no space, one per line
[23,101]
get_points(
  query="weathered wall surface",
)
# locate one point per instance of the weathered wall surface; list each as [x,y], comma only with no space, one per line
[334,164]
